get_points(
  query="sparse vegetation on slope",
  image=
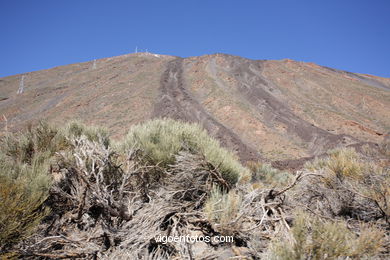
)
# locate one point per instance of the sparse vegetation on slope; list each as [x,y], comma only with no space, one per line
[277,110]
[95,200]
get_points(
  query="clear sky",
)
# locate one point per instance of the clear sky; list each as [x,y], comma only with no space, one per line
[352,35]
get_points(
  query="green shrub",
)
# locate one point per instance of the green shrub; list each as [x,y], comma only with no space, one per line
[23,189]
[341,162]
[313,238]
[25,179]
[42,139]
[45,140]
[222,209]
[160,140]
[265,174]
[94,134]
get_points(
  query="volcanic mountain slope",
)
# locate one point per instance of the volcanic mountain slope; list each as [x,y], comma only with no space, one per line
[267,110]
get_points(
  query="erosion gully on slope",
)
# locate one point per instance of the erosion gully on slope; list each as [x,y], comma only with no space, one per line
[177,103]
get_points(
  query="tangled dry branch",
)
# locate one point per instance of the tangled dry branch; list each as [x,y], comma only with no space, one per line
[106,206]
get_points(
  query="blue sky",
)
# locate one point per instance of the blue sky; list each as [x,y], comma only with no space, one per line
[352,35]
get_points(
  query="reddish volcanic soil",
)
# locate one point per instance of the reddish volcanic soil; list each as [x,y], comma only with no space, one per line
[281,111]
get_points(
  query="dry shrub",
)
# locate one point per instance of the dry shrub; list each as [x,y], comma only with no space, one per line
[86,197]
[314,238]
[108,202]
[348,186]
[25,178]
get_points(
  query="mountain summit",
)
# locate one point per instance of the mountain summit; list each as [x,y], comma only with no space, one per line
[261,109]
